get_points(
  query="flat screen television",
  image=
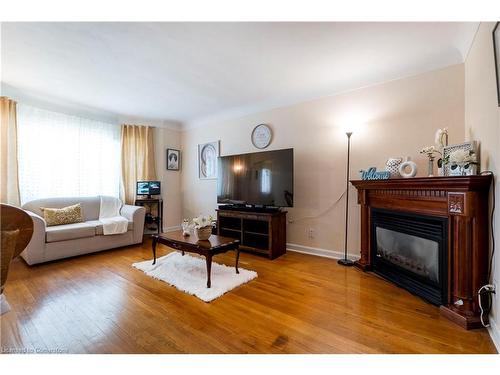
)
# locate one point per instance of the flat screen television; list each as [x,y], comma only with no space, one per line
[148,188]
[258,179]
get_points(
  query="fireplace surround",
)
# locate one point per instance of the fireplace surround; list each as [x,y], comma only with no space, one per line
[410,210]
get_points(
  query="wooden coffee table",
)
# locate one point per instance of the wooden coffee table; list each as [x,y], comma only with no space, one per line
[191,244]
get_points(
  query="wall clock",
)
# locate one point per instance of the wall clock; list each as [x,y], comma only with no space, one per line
[261,136]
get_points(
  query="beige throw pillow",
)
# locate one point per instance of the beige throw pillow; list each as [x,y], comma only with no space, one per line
[66,215]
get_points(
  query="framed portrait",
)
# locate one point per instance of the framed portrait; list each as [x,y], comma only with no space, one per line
[449,170]
[207,160]
[173,159]
[496,51]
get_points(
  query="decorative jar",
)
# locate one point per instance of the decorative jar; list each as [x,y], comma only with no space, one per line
[204,233]
[392,166]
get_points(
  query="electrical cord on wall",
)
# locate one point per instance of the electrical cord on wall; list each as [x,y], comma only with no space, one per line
[488,289]
[490,265]
[322,213]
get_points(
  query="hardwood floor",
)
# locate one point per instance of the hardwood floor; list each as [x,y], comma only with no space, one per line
[299,303]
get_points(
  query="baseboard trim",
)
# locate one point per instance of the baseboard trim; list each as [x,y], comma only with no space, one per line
[333,254]
[494,332]
[172,229]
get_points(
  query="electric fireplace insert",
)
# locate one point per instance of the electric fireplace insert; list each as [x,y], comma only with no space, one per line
[410,250]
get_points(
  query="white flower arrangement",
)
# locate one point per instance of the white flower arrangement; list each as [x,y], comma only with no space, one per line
[203,221]
[462,157]
[430,151]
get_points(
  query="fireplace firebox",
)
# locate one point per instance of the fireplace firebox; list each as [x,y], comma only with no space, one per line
[410,251]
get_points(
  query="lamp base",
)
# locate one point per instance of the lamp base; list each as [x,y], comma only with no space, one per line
[345,262]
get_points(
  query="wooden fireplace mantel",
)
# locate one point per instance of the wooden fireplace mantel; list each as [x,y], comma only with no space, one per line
[464,202]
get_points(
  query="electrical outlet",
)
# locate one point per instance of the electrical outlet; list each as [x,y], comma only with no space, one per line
[311,233]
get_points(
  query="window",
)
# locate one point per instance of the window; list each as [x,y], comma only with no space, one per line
[62,155]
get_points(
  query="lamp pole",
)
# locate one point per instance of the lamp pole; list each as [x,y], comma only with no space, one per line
[346,261]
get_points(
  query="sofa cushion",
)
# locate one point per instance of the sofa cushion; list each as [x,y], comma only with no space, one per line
[69,232]
[60,216]
[99,230]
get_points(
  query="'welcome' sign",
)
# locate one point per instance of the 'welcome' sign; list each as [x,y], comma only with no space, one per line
[372,174]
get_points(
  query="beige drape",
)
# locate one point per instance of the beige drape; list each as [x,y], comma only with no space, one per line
[138,159]
[9,182]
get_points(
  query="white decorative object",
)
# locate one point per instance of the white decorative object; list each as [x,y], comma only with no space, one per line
[189,275]
[441,138]
[262,136]
[392,166]
[441,141]
[460,159]
[411,166]
[185,228]
[207,160]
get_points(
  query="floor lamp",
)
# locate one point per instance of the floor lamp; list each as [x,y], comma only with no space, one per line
[346,261]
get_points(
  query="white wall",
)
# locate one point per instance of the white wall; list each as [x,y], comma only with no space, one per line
[397,118]
[482,122]
[171,180]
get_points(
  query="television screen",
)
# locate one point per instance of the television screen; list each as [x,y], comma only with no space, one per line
[154,188]
[148,187]
[260,178]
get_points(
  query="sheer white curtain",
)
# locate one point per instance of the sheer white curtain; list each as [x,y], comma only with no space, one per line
[62,155]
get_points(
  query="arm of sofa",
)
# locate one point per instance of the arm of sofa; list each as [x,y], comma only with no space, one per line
[35,251]
[135,214]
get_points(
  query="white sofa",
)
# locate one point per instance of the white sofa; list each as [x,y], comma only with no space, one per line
[63,241]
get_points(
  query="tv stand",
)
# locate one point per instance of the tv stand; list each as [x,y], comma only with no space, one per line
[260,232]
[243,208]
[152,223]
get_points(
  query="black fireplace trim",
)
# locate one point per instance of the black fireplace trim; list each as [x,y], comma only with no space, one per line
[435,293]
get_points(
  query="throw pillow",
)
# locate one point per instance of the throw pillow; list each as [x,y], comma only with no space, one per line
[66,215]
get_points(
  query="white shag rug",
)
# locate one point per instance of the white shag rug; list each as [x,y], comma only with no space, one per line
[189,274]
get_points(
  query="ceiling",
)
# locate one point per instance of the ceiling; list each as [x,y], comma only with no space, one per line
[195,72]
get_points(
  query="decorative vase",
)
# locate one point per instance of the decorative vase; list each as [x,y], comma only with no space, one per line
[408,164]
[430,166]
[392,166]
[204,233]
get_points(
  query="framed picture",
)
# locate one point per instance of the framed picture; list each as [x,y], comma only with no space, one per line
[207,160]
[449,170]
[173,159]
[496,52]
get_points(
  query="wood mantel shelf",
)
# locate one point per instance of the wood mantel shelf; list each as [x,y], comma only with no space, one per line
[480,182]
[464,202]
